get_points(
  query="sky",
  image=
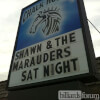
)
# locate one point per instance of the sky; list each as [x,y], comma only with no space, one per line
[10,11]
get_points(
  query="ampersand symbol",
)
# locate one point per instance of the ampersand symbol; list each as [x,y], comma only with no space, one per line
[49,45]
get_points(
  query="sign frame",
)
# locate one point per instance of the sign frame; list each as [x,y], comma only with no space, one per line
[87,77]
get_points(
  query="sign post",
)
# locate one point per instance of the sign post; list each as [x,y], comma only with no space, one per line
[53,45]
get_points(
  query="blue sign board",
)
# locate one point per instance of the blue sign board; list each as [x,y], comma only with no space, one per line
[53,43]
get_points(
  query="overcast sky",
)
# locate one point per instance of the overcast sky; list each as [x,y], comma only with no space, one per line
[9,19]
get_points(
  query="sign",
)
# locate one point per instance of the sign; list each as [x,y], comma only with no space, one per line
[50,44]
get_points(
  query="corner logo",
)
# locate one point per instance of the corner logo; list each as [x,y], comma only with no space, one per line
[49,20]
